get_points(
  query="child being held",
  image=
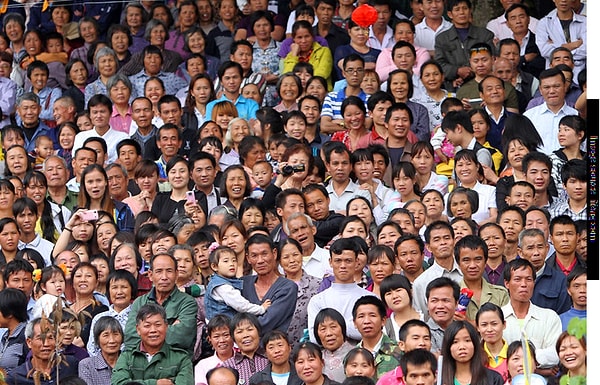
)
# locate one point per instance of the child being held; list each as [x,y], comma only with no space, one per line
[224,291]
[262,173]
[69,334]
[44,147]
[52,283]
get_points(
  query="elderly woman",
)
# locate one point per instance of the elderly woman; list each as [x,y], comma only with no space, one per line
[119,90]
[106,62]
[119,39]
[76,80]
[108,335]
[237,130]
[134,21]
[89,32]
[195,43]
[188,18]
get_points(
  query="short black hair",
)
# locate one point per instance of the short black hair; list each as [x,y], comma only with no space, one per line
[454,118]
[418,357]
[258,239]
[516,209]
[574,168]
[577,272]
[405,328]
[129,142]
[443,282]
[331,314]
[470,242]
[562,220]
[536,156]
[436,226]
[15,266]
[150,309]
[379,97]
[517,264]
[343,244]
[227,65]
[369,300]
[37,65]
[13,302]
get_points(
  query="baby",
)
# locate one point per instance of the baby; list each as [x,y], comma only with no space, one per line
[44,147]
[262,173]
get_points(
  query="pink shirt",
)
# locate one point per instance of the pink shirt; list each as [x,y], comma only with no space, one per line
[393,377]
[121,122]
[385,64]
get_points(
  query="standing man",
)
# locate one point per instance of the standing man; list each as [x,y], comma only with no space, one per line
[57,174]
[300,227]
[381,35]
[432,25]
[341,188]
[335,36]
[142,114]
[203,171]
[230,76]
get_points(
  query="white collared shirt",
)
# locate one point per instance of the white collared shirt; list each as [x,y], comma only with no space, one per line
[317,264]
[425,36]
[546,124]
[420,284]
[387,42]
[339,202]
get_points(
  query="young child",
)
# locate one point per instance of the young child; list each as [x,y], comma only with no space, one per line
[224,291]
[274,144]
[444,150]
[52,283]
[38,74]
[359,362]
[304,71]
[294,125]
[262,173]
[69,332]
[44,147]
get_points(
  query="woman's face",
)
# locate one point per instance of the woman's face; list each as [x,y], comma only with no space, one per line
[9,237]
[14,31]
[103,270]
[291,259]
[572,354]
[388,236]
[185,265]
[434,204]
[490,327]
[84,123]
[262,29]
[236,184]
[134,18]
[66,139]
[432,78]
[33,44]
[258,152]
[252,217]
[403,32]
[160,13]
[480,127]
[107,66]
[317,90]
[234,239]
[82,230]
[296,159]
[95,185]
[16,161]
[399,87]
[304,39]
[246,337]
[196,42]
[179,176]
[205,9]
[466,171]
[162,245]
[120,42]
[187,16]
[227,10]
[359,35]
[354,118]
[60,16]
[419,213]
[110,341]
[460,206]
[308,367]
[148,183]
[515,153]
[354,229]
[7,199]
[158,36]
[125,259]
[104,234]
[11,138]
[153,90]
[239,130]
[363,169]
[568,137]
[361,209]
[88,32]
[36,190]
[213,150]
[515,363]
[330,333]
[397,299]
[380,268]
[461,230]
[404,184]
[370,84]
[84,281]
[120,93]
[495,241]
[68,332]
[289,90]
[359,366]
[462,348]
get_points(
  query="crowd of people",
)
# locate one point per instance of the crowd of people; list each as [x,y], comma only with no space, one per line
[313,192]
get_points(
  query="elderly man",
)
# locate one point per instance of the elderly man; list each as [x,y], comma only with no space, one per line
[29,109]
[57,174]
[64,110]
[153,360]
[300,227]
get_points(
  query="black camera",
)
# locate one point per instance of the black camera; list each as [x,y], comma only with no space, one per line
[289,170]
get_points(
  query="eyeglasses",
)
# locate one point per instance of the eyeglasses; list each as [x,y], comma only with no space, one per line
[354,70]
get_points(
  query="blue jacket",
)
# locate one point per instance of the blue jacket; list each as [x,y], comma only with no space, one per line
[550,291]
[214,307]
[20,375]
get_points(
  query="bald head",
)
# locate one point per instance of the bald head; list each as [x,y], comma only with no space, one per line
[504,69]
[64,110]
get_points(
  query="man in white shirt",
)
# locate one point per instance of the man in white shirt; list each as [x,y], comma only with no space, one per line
[432,25]
[381,35]
[341,188]
[315,261]
[499,25]
[542,326]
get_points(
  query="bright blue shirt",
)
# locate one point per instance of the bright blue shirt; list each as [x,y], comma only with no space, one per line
[246,108]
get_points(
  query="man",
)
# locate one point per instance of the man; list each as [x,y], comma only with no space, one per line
[170,111]
[29,109]
[549,290]
[181,308]
[310,106]
[203,171]
[577,289]
[153,360]
[341,188]
[267,284]
[222,375]
[471,254]
[153,60]
[499,26]
[512,220]
[419,367]
[142,114]
[574,178]
[40,339]
[521,26]
[520,194]
[230,76]
[326,221]
[300,227]
[459,131]
[117,181]
[432,25]
[26,214]
[381,157]
[381,35]
[18,274]
[325,28]
[56,172]
[99,145]
[398,121]
[409,251]
[523,81]
[129,155]
[442,297]
[168,142]
[369,316]
[546,116]
[563,233]
[100,108]
[542,326]
[331,114]
[439,239]
[453,51]
[83,157]
[377,106]
[539,218]
[64,110]
[343,292]
[538,170]
[287,202]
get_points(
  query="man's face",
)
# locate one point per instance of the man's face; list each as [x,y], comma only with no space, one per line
[368,321]
[384,13]
[518,21]
[534,249]
[379,165]
[141,113]
[481,63]
[171,113]
[433,9]
[562,57]
[100,116]
[510,52]
[324,13]
[520,196]
[300,230]
[399,124]
[152,64]
[128,157]
[441,243]
[55,172]
[343,266]
[100,154]
[537,220]
[41,347]
[39,79]
[203,173]
[410,257]
[222,377]
[310,108]
[553,90]
[117,183]
[317,205]
[262,258]
[578,291]
[503,68]
[63,113]
[354,72]
[83,159]
[512,224]
[418,337]
[339,167]
[520,285]
[293,204]
[163,274]
[243,56]
[378,113]
[472,263]
[538,174]
[152,331]
[5,69]
[231,80]
[419,374]
[29,112]
[404,58]
[168,142]
[564,238]
[441,305]
[22,280]
[576,189]
[460,15]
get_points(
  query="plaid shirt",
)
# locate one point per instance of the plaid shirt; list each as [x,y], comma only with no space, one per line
[247,366]
[563,208]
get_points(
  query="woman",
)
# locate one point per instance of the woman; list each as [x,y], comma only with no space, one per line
[490,324]
[361,208]
[396,294]
[233,235]
[76,229]
[7,198]
[154,89]
[571,133]
[355,114]
[13,320]
[206,18]
[419,213]
[309,364]
[51,217]
[289,89]
[76,81]
[134,22]
[252,213]
[89,32]
[200,93]
[266,49]
[330,332]
[463,357]
[317,87]
[289,256]
[305,49]
[9,239]
[120,41]
[195,44]
[94,195]
[252,149]
[381,261]
[466,168]
[127,257]
[432,77]
[481,126]
[237,130]
[85,277]
[404,177]
[400,86]
[167,204]
[516,362]
[163,14]
[107,63]
[388,233]
[119,90]
[16,162]
[100,261]
[104,232]
[246,331]
[188,18]
[146,178]
[108,336]
[14,30]
[223,113]
[36,50]
[462,203]
[424,162]
[359,38]
[222,34]
[235,186]
[572,353]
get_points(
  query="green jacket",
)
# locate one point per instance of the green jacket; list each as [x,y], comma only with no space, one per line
[388,356]
[172,363]
[489,293]
[179,307]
